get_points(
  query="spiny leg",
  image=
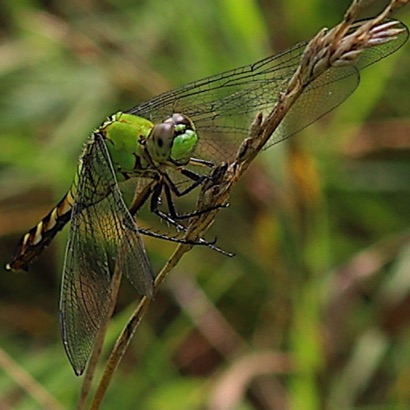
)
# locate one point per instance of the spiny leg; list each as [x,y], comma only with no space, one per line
[142,197]
[172,216]
[153,189]
[200,241]
[169,186]
[155,198]
[154,207]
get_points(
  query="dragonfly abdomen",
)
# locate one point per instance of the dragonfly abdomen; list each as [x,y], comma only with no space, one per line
[40,236]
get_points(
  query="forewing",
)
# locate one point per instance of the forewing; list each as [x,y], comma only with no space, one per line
[103,237]
[223,106]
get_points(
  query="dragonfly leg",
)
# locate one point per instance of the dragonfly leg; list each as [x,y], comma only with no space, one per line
[196,178]
[170,218]
[199,241]
[142,197]
[200,161]
[154,206]
[154,190]
[170,186]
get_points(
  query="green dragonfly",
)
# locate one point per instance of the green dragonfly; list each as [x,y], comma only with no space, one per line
[169,146]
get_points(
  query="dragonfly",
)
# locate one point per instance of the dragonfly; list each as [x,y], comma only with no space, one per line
[168,146]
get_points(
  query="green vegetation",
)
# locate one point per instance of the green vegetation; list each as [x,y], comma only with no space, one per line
[313,309]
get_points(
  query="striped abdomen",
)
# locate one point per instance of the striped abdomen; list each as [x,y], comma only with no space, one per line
[40,236]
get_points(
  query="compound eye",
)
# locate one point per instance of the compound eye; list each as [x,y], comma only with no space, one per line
[181,122]
[160,141]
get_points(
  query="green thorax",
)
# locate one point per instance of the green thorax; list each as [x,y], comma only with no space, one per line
[124,134]
[136,144]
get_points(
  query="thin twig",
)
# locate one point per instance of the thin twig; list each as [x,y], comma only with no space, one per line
[128,332]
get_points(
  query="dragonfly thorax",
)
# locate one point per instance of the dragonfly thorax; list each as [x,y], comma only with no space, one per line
[173,141]
[123,134]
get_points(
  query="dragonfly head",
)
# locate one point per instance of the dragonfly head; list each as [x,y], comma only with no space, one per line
[173,141]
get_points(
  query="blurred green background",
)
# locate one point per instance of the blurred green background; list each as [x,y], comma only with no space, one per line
[312,312]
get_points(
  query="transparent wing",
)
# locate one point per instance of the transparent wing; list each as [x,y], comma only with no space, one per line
[103,237]
[223,106]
